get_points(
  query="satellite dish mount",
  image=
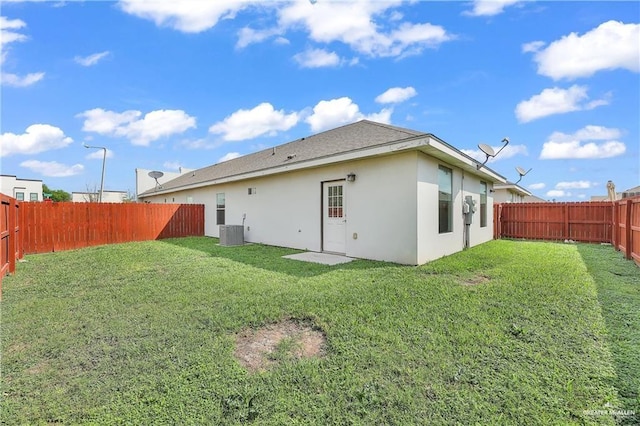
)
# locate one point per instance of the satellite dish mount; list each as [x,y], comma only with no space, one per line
[522,173]
[489,152]
[156,175]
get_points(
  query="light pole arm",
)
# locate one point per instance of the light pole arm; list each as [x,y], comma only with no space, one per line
[104,161]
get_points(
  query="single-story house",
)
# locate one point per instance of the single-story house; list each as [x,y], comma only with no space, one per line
[509,192]
[21,189]
[365,190]
[93,197]
[631,192]
[145,182]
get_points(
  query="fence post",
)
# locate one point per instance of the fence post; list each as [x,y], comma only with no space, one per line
[613,225]
[565,228]
[12,235]
[496,221]
[627,229]
[19,231]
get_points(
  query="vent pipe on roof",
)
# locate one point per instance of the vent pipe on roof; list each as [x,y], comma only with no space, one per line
[274,151]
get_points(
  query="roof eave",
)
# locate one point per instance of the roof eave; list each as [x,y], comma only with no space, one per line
[426,143]
[515,188]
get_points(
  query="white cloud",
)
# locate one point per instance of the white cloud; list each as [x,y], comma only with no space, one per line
[37,138]
[581,195]
[337,112]
[229,156]
[558,193]
[247,36]
[317,58]
[581,145]
[612,45]
[578,184]
[596,133]
[533,46]
[189,16]
[87,61]
[489,7]
[396,95]
[537,185]
[356,24]
[251,123]
[556,101]
[52,168]
[15,80]
[98,155]
[508,152]
[131,125]
[384,116]
[172,165]
[8,33]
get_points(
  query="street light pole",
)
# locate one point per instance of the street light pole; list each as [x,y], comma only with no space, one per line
[104,160]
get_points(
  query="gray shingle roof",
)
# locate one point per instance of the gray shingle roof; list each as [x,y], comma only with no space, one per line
[352,137]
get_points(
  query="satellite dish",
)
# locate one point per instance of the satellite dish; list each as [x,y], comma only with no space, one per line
[156,175]
[522,172]
[487,149]
[489,152]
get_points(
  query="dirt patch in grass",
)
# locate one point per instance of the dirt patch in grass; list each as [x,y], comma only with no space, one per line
[262,348]
[475,280]
[17,348]
[40,367]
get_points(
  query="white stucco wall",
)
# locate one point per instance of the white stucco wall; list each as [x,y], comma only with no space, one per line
[12,186]
[505,195]
[431,243]
[107,197]
[286,209]
[391,208]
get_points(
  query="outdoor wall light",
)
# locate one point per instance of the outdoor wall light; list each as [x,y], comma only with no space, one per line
[351,177]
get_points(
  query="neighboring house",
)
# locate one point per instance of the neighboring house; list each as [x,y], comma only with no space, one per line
[631,192]
[107,197]
[510,193]
[534,199]
[144,182]
[365,190]
[21,189]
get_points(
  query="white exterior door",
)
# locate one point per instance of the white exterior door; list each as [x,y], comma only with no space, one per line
[334,218]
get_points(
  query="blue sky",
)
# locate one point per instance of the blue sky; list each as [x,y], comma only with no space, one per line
[192,83]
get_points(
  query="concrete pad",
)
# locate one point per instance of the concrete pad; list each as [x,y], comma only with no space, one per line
[323,258]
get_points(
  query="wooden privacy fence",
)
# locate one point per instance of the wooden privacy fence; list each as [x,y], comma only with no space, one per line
[47,227]
[616,222]
[11,247]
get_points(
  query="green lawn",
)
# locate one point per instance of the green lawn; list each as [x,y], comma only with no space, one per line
[144,333]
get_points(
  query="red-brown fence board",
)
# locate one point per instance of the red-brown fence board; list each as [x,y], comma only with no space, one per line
[10,241]
[635,229]
[617,223]
[589,222]
[48,227]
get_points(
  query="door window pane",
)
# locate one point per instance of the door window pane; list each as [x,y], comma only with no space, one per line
[334,201]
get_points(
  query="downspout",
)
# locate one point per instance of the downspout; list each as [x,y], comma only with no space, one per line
[465,229]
